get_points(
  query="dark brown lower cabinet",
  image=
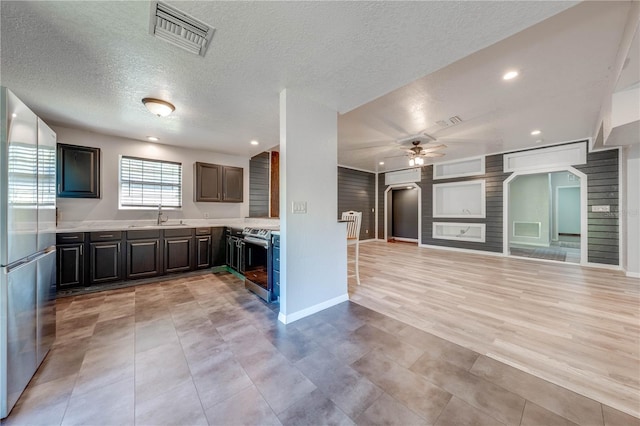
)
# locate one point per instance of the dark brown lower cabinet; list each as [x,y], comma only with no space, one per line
[218,246]
[177,254]
[70,264]
[202,248]
[143,258]
[105,257]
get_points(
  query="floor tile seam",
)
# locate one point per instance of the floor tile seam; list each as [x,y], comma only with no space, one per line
[75,383]
[489,355]
[541,403]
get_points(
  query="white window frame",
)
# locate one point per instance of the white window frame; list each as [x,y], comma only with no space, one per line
[149,206]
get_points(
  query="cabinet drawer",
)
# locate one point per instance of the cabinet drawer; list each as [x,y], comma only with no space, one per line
[203,231]
[178,232]
[143,234]
[106,236]
[69,238]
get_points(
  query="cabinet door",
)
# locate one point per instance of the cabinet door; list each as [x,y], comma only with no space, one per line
[218,246]
[177,254]
[232,184]
[208,182]
[105,263]
[231,252]
[143,258]
[70,265]
[78,172]
[203,252]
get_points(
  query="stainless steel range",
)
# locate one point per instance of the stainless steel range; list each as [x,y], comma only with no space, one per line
[258,259]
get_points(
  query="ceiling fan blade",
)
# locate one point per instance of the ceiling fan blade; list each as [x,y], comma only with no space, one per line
[433,148]
[434,154]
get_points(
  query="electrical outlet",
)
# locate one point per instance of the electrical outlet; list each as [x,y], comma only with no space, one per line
[600,209]
[206,215]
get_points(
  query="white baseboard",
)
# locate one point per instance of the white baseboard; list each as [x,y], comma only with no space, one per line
[288,319]
[603,266]
[406,240]
[632,274]
[370,240]
[488,253]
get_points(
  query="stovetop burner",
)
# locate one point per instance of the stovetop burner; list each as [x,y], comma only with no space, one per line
[262,234]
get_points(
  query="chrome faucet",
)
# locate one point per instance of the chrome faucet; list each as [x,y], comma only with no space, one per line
[161,218]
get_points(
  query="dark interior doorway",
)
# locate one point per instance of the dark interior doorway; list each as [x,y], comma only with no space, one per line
[404,214]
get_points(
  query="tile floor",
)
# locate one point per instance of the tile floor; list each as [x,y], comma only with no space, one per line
[202,350]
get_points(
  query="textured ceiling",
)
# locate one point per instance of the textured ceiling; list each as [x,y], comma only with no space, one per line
[565,67]
[88,64]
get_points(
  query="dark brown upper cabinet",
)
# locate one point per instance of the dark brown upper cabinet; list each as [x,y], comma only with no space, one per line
[78,172]
[216,183]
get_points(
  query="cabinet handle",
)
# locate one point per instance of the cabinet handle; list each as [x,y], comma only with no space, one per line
[81,250]
[70,238]
[218,195]
[106,236]
[118,247]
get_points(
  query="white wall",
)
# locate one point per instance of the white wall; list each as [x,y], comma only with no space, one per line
[529,202]
[313,245]
[112,147]
[632,210]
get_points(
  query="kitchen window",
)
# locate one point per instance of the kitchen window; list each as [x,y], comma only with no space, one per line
[148,183]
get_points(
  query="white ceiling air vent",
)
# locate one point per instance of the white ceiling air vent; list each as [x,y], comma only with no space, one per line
[455,119]
[178,28]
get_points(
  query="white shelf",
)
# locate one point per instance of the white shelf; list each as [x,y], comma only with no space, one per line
[459,168]
[459,231]
[460,199]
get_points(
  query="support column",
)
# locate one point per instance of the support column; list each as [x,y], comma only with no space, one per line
[313,251]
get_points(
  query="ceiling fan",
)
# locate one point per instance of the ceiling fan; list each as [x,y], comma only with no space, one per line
[417,153]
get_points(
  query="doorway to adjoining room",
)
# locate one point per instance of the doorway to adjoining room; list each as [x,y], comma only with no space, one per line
[544,216]
[403,222]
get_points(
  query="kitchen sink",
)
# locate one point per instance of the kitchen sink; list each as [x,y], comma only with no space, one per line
[164,225]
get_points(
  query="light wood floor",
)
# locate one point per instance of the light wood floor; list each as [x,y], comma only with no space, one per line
[576,327]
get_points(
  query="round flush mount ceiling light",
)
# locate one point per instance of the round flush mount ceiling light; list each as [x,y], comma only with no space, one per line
[535,132]
[254,142]
[152,139]
[158,107]
[381,163]
[510,75]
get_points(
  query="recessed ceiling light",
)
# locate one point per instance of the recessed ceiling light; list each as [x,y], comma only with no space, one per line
[381,163]
[254,142]
[153,138]
[535,132]
[510,75]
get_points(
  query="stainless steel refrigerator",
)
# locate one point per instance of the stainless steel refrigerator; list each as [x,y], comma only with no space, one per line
[27,246]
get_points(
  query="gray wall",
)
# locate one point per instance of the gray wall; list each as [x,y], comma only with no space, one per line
[356,191]
[602,172]
[493,180]
[259,185]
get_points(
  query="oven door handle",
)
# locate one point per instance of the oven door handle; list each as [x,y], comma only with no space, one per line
[258,242]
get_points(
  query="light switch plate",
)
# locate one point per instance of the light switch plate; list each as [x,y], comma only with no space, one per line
[600,209]
[299,207]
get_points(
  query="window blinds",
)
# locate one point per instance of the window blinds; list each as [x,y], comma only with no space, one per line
[149,183]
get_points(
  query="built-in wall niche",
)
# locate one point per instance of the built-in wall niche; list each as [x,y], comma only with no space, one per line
[460,199]
[459,168]
[459,231]
[526,229]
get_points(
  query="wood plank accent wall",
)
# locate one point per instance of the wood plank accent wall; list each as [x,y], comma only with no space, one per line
[381,188]
[275,184]
[602,170]
[494,177]
[356,191]
[259,185]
